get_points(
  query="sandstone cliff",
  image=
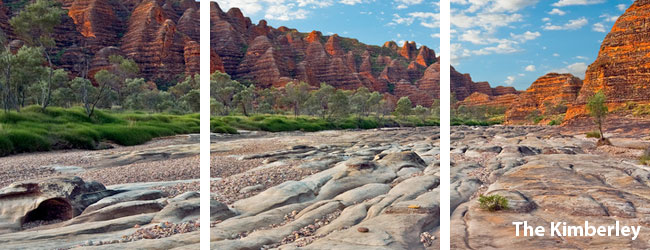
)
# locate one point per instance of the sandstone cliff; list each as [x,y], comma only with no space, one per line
[622,68]
[481,99]
[160,35]
[271,56]
[462,86]
[4,20]
[549,91]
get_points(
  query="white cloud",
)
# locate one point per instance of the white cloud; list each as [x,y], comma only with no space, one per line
[599,27]
[403,4]
[306,3]
[581,57]
[621,7]
[284,13]
[526,36]
[530,68]
[495,5]
[350,2]
[576,69]
[510,80]
[557,11]
[576,2]
[409,1]
[608,18]
[556,54]
[571,25]
[473,36]
[511,5]
[505,47]
[546,19]
[479,22]
[248,7]
[487,21]
[426,19]
[283,10]
[458,53]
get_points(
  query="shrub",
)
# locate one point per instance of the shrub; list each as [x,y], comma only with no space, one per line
[554,122]
[493,202]
[6,146]
[645,158]
[81,137]
[593,134]
[27,141]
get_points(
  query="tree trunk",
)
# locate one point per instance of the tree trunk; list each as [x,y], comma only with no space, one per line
[48,94]
[243,108]
[295,109]
[600,129]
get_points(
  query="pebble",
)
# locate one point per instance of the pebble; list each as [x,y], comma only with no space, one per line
[363,229]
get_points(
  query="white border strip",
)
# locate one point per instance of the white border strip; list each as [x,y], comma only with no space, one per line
[445,128]
[205,124]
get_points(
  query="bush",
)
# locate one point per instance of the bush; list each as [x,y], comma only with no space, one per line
[493,202]
[124,135]
[81,137]
[33,129]
[645,158]
[554,122]
[27,141]
[219,127]
[6,146]
[593,134]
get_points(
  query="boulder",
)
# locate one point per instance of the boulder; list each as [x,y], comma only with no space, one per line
[55,198]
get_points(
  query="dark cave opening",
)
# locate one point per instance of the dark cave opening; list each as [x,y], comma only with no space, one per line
[50,210]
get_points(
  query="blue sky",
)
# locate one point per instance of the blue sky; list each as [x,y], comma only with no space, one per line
[513,42]
[371,21]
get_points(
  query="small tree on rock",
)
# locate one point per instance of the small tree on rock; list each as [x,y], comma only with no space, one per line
[598,110]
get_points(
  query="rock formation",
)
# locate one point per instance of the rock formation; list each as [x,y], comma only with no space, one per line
[4,20]
[161,36]
[273,57]
[550,89]
[462,86]
[547,174]
[363,190]
[481,99]
[45,200]
[622,67]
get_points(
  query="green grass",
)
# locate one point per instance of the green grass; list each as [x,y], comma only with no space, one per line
[474,122]
[33,130]
[645,159]
[593,134]
[281,123]
[493,202]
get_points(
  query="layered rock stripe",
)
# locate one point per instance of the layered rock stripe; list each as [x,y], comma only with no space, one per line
[272,57]
[161,36]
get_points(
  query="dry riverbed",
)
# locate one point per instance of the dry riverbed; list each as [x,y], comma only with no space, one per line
[329,189]
[548,174]
[120,198]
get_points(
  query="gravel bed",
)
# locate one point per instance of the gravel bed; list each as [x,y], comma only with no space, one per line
[35,165]
[167,170]
[227,190]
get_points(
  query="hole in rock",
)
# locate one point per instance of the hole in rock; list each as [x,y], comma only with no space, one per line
[49,211]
